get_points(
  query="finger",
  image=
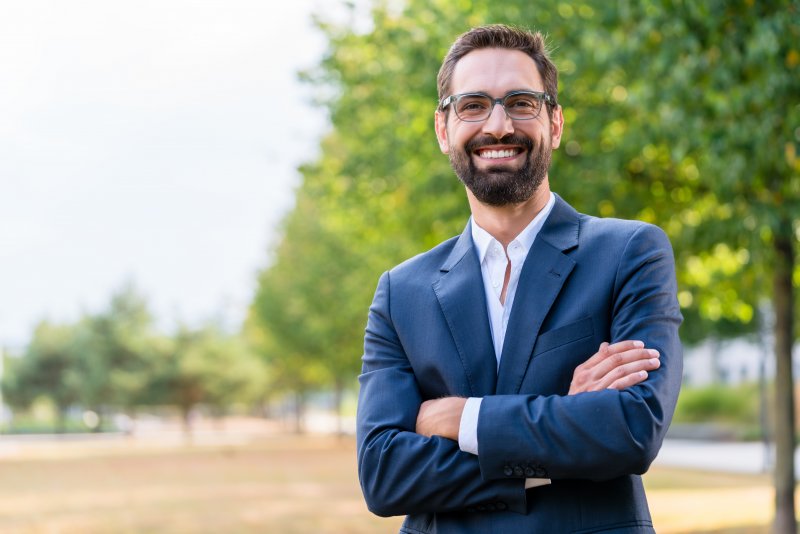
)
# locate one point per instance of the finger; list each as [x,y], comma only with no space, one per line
[607,350]
[629,381]
[423,418]
[623,346]
[629,372]
[604,375]
[620,359]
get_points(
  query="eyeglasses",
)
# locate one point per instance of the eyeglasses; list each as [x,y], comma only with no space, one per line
[518,105]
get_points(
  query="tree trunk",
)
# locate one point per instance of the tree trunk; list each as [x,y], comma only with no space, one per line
[186,423]
[338,394]
[61,420]
[785,522]
[299,412]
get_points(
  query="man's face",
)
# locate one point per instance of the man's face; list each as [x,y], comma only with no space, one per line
[500,160]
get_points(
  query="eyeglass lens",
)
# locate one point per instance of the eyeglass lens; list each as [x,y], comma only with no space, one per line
[479,107]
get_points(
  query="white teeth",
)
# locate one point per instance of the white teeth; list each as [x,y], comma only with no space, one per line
[493,154]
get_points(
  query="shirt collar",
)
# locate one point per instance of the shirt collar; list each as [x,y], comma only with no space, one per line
[483,239]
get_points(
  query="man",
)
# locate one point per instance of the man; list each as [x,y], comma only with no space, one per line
[486,405]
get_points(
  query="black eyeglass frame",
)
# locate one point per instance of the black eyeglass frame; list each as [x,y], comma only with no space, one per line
[538,95]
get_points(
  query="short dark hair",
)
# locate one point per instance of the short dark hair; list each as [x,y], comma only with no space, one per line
[500,36]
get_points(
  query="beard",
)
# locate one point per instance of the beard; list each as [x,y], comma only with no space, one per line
[498,185]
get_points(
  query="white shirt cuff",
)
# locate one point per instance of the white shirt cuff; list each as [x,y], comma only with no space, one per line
[535,482]
[468,429]
[468,436]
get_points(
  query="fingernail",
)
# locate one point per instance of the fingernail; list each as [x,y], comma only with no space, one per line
[653,352]
[638,344]
[654,361]
[642,374]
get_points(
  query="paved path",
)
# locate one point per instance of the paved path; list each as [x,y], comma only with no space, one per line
[719,456]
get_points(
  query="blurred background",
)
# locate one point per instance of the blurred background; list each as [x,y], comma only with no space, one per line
[198,197]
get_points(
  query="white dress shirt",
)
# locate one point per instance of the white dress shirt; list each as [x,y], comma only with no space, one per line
[494,261]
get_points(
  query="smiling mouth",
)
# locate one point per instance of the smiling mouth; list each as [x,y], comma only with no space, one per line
[490,153]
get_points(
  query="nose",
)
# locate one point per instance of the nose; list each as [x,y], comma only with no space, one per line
[499,124]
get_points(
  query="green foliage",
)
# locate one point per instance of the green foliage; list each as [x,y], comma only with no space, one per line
[116,361]
[47,369]
[35,422]
[708,141]
[115,352]
[204,366]
[738,405]
[678,113]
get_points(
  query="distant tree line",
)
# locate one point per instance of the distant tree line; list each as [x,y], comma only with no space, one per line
[116,361]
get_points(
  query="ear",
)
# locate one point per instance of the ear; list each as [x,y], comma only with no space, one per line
[440,124]
[556,127]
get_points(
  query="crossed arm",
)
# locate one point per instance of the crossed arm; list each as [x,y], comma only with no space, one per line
[618,366]
[610,423]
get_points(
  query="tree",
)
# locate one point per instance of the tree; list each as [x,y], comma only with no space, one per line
[116,353]
[47,369]
[301,312]
[204,367]
[706,126]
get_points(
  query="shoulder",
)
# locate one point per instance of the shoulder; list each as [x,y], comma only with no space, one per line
[620,231]
[426,263]
[625,247]
[611,226]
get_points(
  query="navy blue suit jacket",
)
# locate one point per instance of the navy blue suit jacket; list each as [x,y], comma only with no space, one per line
[585,280]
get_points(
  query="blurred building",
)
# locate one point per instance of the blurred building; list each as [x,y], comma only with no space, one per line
[730,362]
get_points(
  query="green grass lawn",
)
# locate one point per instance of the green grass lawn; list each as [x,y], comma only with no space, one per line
[285,484]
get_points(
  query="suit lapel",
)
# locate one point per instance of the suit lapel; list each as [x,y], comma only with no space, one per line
[544,272]
[463,301]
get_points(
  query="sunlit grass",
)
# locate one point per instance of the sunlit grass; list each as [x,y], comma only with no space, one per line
[684,500]
[281,483]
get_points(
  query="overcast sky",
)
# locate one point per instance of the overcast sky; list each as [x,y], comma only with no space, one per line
[150,141]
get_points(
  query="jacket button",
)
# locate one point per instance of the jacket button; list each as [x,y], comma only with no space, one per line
[541,473]
[507,471]
[470,508]
[481,508]
[490,507]
[518,472]
[529,472]
[501,506]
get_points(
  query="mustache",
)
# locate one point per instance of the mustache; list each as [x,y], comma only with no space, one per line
[486,140]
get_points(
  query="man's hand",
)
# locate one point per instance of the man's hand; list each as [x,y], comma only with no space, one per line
[616,366]
[440,417]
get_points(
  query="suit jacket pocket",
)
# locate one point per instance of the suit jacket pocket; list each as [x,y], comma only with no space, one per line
[563,335]
[556,355]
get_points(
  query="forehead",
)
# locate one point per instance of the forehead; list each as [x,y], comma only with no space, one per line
[495,71]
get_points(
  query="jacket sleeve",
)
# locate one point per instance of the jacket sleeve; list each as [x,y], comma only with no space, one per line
[402,472]
[604,434]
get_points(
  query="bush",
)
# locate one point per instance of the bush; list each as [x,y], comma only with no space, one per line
[730,405]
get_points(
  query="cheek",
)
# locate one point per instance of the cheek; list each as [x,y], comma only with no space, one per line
[461,134]
[450,139]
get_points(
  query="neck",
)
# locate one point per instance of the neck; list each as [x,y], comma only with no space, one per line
[505,223]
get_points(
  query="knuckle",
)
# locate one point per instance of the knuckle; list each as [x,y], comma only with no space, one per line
[617,384]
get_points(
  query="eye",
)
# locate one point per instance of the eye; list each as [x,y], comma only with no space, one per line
[522,102]
[473,104]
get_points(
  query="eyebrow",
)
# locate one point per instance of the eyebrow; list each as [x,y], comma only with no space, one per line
[526,89]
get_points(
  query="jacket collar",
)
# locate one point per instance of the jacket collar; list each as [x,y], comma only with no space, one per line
[462,299]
